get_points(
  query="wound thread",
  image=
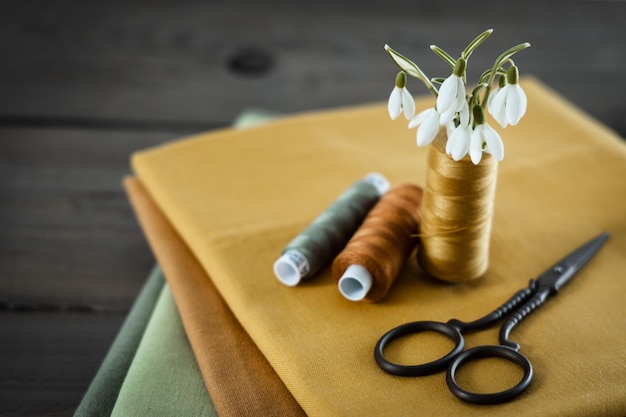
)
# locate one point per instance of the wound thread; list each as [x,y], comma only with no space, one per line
[381,245]
[327,235]
[456,215]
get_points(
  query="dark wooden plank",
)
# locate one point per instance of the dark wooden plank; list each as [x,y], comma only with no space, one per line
[204,62]
[68,236]
[48,360]
[72,260]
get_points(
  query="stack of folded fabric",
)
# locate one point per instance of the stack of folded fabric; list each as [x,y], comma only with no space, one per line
[218,208]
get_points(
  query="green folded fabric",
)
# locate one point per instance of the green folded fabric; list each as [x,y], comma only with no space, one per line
[100,399]
[164,378]
[105,387]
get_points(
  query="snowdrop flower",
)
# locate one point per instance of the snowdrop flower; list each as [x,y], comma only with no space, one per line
[484,137]
[449,128]
[501,84]
[452,93]
[400,99]
[428,122]
[509,102]
[459,142]
[459,111]
[459,136]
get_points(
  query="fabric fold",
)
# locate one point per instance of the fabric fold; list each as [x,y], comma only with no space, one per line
[239,378]
[102,394]
[164,378]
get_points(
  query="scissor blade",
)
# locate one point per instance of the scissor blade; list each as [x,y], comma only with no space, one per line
[561,272]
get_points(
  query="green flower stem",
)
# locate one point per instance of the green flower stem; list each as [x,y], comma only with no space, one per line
[476,91]
[504,56]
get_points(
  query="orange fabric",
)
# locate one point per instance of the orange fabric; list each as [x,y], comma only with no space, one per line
[238,197]
[238,377]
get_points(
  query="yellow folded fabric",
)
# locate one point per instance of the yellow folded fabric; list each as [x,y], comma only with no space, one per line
[238,197]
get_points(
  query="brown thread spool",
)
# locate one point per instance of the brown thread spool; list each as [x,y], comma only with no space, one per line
[374,256]
[456,215]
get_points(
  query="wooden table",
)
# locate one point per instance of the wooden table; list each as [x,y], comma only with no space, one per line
[83,84]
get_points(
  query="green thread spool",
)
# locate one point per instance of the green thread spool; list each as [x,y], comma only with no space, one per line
[328,234]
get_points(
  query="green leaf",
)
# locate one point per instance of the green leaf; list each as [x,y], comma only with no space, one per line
[410,68]
[404,63]
[471,47]
[443,55]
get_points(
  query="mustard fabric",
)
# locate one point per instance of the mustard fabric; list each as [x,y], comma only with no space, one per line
[238,197]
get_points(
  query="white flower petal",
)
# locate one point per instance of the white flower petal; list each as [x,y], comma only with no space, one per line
[447,117]
[460,95]
[420,117]
[515,104]
[428,129]
[494,142]
[460,142]
[491,96]
[394,106]
[447,94]
[497,108]
[408,105]
[476,145]
[449,128]
[450,141]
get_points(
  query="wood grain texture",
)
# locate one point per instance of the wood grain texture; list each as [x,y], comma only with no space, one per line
[67,231]
[172,61]
[83,84]
[48,360]
[72,259]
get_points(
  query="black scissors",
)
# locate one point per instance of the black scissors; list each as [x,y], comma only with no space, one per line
[526,301]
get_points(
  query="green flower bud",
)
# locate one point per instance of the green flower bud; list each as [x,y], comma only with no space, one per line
[501,81]
[459,67]
[512,75]
[479,115]
[401,79]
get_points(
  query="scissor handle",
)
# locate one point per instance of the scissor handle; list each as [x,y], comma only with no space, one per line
[479,352]
[490,319]
[412,328]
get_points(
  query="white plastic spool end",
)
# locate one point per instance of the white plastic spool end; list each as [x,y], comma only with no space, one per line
[378,181]
[355,283]
[291,267]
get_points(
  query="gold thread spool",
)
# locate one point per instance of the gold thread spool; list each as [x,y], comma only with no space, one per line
[384,241]
[456,214]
